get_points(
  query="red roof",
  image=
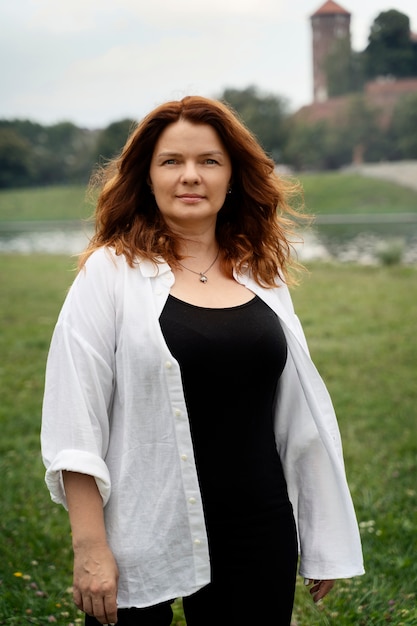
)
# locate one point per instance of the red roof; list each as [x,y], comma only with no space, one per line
[331,8]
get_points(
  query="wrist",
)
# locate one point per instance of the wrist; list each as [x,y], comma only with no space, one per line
[89,542]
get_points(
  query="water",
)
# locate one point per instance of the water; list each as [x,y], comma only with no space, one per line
[342,238]
[44,237]
[368,239]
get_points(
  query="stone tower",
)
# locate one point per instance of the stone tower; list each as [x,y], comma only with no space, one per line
[330,23]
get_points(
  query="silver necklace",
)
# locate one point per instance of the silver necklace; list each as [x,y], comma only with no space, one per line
[203,277]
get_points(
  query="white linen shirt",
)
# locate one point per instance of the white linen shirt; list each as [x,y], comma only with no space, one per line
[114,408]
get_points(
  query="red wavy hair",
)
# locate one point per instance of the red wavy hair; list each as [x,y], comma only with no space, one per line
[255,227]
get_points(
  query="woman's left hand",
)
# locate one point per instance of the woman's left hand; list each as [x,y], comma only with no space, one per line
[320,588]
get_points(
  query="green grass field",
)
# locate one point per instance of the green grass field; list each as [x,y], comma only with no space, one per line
[360,323]
[331,192]
[335,192]
[44,203]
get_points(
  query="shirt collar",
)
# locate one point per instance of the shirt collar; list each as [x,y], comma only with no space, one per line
[149,269]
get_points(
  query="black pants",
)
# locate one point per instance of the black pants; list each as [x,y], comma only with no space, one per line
[208,608]
[230,606]
[254,587]
[159,615]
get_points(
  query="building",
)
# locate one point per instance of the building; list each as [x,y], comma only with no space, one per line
[331,27]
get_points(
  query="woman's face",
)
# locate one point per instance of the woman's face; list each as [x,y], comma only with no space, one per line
[190,174]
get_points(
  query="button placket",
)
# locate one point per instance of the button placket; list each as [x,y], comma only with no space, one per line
[188,470]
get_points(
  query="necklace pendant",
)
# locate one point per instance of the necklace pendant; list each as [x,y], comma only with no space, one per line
[203,278]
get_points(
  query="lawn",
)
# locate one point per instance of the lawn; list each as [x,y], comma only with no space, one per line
[67,202]
[344,193]
[331,192]
[360,323]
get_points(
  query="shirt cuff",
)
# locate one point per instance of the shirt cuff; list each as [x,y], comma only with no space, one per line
[81,462]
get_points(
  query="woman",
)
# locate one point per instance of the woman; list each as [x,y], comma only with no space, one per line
[185,427]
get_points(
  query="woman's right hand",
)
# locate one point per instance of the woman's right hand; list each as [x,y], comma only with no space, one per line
[95,570]
[95,582]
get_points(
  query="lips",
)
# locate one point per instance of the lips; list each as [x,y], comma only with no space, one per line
[190,198]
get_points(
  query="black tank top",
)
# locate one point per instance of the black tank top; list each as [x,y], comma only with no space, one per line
[231,360]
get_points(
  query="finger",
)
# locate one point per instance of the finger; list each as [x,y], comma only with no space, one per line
[86,605]
[77,599]
[103,608]
[110,609]
[320,589]
[98,610]
[111,613]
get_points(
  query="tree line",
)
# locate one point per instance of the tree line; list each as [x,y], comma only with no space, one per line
[391,52]
[34,154]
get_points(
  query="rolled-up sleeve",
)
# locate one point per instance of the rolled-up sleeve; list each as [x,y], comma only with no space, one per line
[79,382]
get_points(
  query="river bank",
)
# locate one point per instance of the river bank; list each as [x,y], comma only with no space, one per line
[338,240]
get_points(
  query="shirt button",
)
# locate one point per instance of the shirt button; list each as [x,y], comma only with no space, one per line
[168,365]
[192,500]
[197,542]
[184,457]
[177,412]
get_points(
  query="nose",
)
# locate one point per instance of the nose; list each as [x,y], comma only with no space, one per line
[190,174]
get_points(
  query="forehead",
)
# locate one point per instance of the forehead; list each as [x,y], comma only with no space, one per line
[185,135]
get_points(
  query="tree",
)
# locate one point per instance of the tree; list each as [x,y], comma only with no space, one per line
[264,114]
[60,153]
[16,159]
[360,125]
[390,50]
[317,146]
[112,139]
[344,70]
[403,128]
[325,145]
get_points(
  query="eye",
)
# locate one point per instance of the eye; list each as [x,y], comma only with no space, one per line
[169,162]
[211,162]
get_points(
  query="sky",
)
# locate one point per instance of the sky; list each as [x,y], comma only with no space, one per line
[93,62]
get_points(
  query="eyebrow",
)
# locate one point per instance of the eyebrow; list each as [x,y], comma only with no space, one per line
[208,153]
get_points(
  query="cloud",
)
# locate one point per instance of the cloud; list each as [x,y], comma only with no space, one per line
[84,15]
[133,77]
[70,16]
[96,61]
[123,67]
[219,8]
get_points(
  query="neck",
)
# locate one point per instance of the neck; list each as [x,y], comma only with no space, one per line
[196,239]
[198,248]
[196,257]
